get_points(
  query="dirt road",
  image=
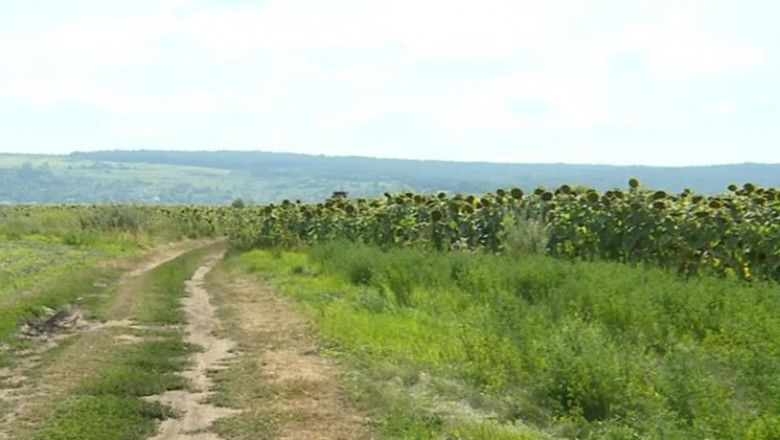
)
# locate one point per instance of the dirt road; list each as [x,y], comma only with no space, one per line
[196,415]
[57,361]
[256,371]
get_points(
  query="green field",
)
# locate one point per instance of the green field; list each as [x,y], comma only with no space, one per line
[534,347]
[40,273]
[24,262]
[219,177]
[549,314]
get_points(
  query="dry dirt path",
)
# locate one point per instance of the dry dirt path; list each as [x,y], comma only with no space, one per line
[202,324]
[288,383]
[31,385]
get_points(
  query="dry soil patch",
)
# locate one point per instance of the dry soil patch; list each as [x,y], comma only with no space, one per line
[308,399]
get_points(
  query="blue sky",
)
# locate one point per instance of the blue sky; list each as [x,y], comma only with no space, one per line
[641,82]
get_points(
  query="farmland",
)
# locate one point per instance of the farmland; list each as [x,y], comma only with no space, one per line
[560,312]
[170,177]
[22,262]
[734,234]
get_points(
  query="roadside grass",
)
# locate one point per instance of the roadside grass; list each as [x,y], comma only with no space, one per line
[471,345]
[50,254]
[109,403]
[41,273]
[89,287]
[85,283]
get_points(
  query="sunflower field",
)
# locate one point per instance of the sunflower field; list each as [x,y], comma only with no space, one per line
[736,233]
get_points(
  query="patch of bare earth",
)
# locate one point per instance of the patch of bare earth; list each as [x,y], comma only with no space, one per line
[304,397]
[202,324]
[30,385]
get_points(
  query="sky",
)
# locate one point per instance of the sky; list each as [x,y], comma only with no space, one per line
[610,82]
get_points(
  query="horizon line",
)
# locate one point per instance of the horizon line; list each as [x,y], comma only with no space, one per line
[381,158]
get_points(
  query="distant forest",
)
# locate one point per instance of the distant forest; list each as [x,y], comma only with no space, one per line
[264,177]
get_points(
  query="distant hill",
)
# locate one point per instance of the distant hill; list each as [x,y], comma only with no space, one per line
[263,177]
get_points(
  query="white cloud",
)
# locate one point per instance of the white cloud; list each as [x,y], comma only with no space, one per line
[113,44]
[722,110]
[460,29]
[139,131]
[468,30]
[44,93]
[12,55]
[321,70]
[676,48]
[349,119]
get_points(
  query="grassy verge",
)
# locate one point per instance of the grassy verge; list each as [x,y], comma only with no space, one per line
[87,286]
[464,345]
[40,274]
[108,403]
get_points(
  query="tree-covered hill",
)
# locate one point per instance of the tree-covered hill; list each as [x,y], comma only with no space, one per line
[222,176]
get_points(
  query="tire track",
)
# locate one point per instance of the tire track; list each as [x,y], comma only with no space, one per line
[202,323]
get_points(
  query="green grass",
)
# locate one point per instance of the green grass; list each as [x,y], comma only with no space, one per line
[144,369]
[246,426]
[158,301]
[52,256]
[36,258]
[88,286]
[471,345]
[103,417]
[108,405]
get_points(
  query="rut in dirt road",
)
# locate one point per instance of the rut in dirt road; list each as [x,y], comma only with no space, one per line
[197,416]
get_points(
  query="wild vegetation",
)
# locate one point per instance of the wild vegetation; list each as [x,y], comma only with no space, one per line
[50,255]
[474,345]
